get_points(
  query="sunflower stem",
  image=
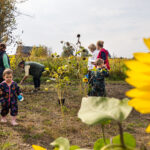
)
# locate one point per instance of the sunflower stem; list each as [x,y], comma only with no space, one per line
[103,132]
[121,135]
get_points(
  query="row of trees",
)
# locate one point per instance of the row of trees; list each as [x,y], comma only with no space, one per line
[40,51]
[68,50]
[8,14]
[7,19]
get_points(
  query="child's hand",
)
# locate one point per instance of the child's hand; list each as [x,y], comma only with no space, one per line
[21,82]
[104,66]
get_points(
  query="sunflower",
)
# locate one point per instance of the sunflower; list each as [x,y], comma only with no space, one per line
[46,89]
[47,69]
[138,76]
[35,147]
[85,80]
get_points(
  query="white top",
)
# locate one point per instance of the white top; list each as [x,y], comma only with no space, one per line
[27,67]
[92,59]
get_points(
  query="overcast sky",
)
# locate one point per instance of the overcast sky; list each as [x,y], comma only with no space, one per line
[122,24]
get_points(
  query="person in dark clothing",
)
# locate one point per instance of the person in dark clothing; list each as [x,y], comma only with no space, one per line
[97,80]
[34,69]
[4,60]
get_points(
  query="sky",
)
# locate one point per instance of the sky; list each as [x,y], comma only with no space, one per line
[121,24]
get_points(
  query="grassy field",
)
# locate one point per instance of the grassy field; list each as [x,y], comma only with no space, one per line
[41,121]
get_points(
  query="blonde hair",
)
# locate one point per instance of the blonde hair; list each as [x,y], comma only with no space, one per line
[99,62]
[92,47]
[7,71]
[100,43]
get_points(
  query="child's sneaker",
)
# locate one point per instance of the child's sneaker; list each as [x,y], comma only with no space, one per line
[14,123]
[3,120]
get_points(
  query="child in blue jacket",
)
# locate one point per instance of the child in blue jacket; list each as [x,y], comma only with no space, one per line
[97,80]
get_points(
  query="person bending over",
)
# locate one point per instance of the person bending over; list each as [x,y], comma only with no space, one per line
[35,70]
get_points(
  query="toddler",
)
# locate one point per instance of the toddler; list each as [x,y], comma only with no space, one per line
[97,80]
[93,58]
[9,90]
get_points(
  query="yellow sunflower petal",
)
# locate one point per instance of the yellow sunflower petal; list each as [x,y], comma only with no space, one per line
[137,66]
[143,106]
[131,73]
[140,56]
[138,76]
[148,129]
[35,147]
[137,93]
[136,83]
[146,88]
[147,42]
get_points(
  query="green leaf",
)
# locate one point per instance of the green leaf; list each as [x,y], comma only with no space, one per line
[78,52]
[128,139]
[104,122]
[95,110]
[100,143]
[74,147]
[61,143]
[116,147]
[83,149]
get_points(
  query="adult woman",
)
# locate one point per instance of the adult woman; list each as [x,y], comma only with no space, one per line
[103,53]
[4,60]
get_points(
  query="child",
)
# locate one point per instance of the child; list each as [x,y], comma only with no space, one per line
[93,58]
[9,91]
[97,80]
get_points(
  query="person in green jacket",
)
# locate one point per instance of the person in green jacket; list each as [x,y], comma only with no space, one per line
[4,60]
[34,69]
